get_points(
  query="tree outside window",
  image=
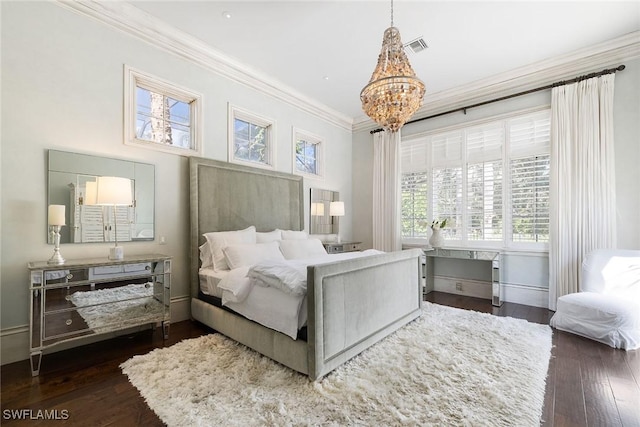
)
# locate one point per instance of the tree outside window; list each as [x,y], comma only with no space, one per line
[250,138]
[161,115]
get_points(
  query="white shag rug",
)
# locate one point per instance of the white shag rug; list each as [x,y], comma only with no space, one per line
[449,367]
[104,309]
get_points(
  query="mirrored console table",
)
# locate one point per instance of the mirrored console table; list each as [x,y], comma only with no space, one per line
[96,296]
[491,257]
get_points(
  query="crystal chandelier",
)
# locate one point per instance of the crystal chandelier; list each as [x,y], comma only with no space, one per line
[394,93]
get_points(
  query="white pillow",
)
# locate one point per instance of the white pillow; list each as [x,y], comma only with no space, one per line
[270,236]
[221,239]
[250,254]
[294,235]
[206,257]
[301,249]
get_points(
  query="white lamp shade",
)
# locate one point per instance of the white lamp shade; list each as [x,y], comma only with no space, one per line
[56,215]
[91,193]
[113,190]
[336,209]
[317,209]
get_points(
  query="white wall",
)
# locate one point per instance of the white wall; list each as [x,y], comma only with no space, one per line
[527,273]
[626,115]
[62,88]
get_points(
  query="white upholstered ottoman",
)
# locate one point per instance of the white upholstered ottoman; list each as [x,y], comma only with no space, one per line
[607,308]
[611,319]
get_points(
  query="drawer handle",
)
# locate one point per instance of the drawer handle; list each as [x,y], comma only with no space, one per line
[69,322]
[68,297]
[147,285]
[148,267]
[69,276]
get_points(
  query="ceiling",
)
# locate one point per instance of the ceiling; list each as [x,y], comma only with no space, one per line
[327,50]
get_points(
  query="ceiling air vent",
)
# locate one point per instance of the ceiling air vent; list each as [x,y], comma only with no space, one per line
[417,45]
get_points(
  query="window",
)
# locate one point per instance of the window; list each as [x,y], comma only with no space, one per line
[161,115]
[250,138]
[414,204]
[529,170]
[484,182]
[307,153]
[490,181]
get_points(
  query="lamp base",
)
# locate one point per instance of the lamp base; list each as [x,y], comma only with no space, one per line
[56,258]
[116,253]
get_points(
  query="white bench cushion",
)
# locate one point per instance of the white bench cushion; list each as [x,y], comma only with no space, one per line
[610,319]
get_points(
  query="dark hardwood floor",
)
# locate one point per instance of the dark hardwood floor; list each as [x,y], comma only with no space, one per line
[588,384]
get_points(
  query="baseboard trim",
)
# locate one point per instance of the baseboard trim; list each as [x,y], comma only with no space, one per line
[527,295]
[14,344]
[470,288]
[519,294]
[180,309]
[14,341]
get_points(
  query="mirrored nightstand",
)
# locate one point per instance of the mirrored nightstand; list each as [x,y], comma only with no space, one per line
[336,248]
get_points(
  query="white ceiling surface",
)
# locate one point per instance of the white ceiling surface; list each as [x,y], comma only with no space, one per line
[300,42]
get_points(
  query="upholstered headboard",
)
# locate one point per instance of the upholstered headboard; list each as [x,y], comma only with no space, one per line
[226,196]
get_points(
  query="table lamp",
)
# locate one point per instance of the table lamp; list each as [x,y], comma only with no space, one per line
[56,221]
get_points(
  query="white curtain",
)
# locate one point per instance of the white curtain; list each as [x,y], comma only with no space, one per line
[582,205]
[386,191]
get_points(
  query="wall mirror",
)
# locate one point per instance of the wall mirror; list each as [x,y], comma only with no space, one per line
[320,222]
[68,176]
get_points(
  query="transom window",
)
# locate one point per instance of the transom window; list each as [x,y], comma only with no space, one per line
[490,181]
[250,138]
[161,115]
[307,153]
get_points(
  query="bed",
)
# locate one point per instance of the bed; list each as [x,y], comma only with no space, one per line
[351,304]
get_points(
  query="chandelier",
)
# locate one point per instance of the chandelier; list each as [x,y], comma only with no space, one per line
[394,93]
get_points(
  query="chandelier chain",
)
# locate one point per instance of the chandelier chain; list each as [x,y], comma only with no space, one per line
[392,13]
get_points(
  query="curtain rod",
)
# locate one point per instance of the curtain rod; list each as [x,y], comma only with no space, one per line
[526,92]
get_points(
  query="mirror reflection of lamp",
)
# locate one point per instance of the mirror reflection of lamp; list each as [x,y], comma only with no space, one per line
[317,209]
[336,209]
[113,191]
[56,215]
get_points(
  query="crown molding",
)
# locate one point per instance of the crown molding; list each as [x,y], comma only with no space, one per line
[542,73]
[133,21]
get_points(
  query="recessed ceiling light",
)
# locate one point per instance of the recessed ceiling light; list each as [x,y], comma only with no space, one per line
[226,14]
[325,77]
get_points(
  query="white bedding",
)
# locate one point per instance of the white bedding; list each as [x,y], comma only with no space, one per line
[290,276]
[209,279]
[276,304]
[274,309]
[267,306]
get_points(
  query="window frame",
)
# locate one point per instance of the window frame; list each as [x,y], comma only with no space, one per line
[428,178]
[506,243]
[235,112]
[135,78]
[299,134]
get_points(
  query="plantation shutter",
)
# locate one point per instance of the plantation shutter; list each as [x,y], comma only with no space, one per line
[414,187]
[484,182]
[446,152]
[529,170]
[413,155]
[414,191]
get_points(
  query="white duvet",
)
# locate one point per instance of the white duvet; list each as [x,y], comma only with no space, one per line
[288,277]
